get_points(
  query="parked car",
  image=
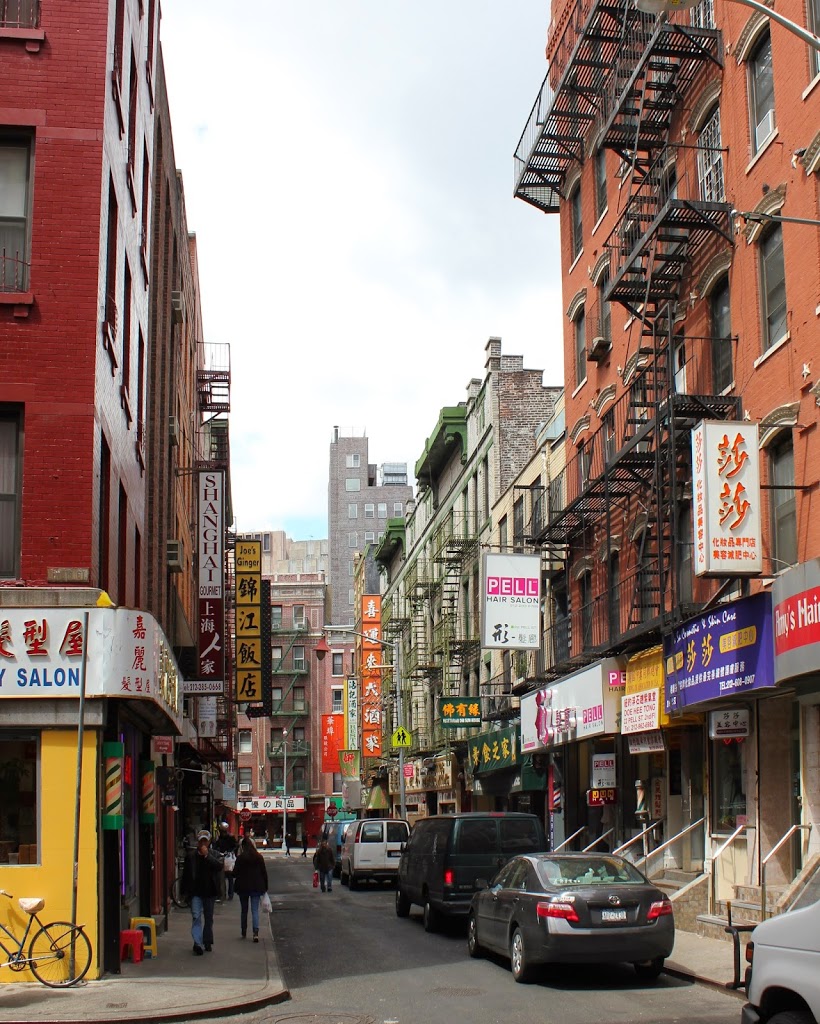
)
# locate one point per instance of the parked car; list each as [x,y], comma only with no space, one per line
[448,853]
[783,976]
[334,832]
[371,849]
[574,908]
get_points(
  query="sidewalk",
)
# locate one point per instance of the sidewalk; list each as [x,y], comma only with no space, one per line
[239,976]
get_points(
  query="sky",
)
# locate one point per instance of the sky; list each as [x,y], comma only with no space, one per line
[348,174]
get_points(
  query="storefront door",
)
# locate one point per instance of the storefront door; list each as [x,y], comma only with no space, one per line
[693,806]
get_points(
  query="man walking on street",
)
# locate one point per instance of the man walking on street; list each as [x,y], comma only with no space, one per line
[324,860]
[200,884]
[304,842]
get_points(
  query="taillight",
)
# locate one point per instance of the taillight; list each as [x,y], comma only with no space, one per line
[566,911]
[659,909]
[750,952]
[448,876]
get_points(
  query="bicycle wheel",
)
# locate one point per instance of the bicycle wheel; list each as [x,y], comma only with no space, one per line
[59,954]
[176,894]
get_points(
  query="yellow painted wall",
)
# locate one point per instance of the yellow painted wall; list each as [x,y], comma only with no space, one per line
[52,877]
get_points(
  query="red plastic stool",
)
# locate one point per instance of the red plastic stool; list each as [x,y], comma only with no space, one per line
[133,939]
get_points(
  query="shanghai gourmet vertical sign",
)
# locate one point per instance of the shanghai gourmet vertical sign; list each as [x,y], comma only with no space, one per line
[726,495]
[210,554]
[248,620]
[372,651]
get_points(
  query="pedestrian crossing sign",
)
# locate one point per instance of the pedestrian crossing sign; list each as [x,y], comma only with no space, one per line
[401,738]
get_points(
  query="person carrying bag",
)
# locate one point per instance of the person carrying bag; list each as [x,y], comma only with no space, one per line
[251,883]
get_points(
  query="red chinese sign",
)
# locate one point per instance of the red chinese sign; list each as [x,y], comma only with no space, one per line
[333,737]
[372,660]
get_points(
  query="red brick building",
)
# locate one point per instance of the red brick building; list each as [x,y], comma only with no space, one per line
[682,156]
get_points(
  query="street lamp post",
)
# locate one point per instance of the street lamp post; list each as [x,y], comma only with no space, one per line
[322,649]
[285,790]
[659,6]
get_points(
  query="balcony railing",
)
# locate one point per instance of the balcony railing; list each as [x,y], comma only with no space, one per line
[295,748]
[290,707]
[298,788]
[14,269]
[19,13]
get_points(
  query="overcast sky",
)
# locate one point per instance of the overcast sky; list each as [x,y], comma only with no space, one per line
[348,174]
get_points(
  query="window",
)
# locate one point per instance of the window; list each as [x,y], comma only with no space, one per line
[813,21]
[19,13]
[710,160]
[773,287]
[502,534]
[398,508]
[604,309]
[353,461]
[353,483]
[585,599]
[298,779]
[703,16]
[298,735]
[276,691]
[337,782]
[276,657]
[579,325]
[560,621]
[576,223]
[369,538]
[299,620]
[722,370]
[382,512]
[338,664]
[784,507]
[370,511]
[266,542]
[299,658]
[761,93]
[353,540]
[337,700]
[518,523]
[351,566]
[610,444]
[371,832]
[244,777]
[600,183]
[276,616]
[685,544]
[10,455]
[15,156]
[299,698]
[729,789]
[614,596]
[19,810]
[352,511]
[245,744]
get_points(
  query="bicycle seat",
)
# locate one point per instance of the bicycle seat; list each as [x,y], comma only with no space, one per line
[31,904]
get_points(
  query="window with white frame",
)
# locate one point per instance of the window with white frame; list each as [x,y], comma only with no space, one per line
[353,540]
[299,619]
[10,486]
[720,315]
[703,15]
[338,666]
[382,510]
[710,160]
[276,657]
[299,698]
[579,329]
[370,511]
[276,616]
[15,214]
[600,183]
[604,309]
[350,596]
[244,779]
[576,222]
[299,657]
[773,287]
[813,20]
[761,92]
[353,483]
[783,504]
[352,511]
[353,461]
[245,743]
[398,508]
[351,567]
[337,697]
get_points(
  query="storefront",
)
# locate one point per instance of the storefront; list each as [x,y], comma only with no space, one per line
[575,721]
[100,681]
[494,769]
[431,786]
[267,818]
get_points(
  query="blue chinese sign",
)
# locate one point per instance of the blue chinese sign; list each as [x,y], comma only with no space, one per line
[725,652]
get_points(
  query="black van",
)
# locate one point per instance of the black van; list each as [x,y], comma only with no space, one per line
[447,853]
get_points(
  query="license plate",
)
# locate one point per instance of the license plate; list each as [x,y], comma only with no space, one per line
[613,915]
[394,853]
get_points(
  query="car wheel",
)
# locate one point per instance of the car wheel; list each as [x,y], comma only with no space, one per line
[792,1017]
[473,946]
[402,904]
[353,882]
[518,957]
[344,877]
[430,917]
[650,970]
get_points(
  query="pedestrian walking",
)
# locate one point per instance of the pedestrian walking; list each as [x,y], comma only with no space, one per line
[324,860]
[200,885]
[250,882]
[226,844]
[288,841]
[304,843]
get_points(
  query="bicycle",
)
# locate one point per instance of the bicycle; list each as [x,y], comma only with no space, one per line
[59,954]
[176,895]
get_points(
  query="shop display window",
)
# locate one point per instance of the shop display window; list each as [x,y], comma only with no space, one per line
[729,789]
[19,785]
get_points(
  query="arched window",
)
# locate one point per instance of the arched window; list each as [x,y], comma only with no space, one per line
[710,159]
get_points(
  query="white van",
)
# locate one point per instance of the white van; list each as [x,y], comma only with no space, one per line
[372,849]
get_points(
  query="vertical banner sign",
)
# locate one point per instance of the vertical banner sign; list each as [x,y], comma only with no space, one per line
[148,793]
[113,816]
[332,740]
[248,603]
[726,497]
[352,712]
[349,763]
[210,554]
[511,602]
[372,651]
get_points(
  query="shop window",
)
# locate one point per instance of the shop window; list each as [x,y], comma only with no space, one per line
[729,790]
[245,745]
[20,797]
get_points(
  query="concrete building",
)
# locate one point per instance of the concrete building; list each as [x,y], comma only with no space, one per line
[281,554]
[361,498]
[681,154]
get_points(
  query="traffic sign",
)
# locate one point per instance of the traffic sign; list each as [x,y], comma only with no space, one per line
[332,810]
[409,771]
[401,738]
[244,815]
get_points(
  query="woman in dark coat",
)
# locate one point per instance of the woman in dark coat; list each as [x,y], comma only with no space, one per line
[250,877]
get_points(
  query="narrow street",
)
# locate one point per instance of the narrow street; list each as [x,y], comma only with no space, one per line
[346,955]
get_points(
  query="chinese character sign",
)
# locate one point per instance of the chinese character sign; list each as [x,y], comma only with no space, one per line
[456,712]
[210,532]
[511,602]
[332,741]
[490,751]
[726,499]
[248,604]
[352,711]
[372,660]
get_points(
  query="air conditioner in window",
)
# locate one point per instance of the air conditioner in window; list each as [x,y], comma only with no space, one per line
[765,127]
[174,555]
[244,787]
[173,430]
[177,306]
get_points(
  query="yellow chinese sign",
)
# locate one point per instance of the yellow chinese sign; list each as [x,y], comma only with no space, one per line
[456,712]
[248,595]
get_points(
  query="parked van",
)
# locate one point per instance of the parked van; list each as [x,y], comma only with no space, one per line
[371,848]
[447,854]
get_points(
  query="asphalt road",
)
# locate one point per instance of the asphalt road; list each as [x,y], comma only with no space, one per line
[347,959]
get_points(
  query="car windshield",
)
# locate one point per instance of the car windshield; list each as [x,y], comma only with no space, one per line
[569,871]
